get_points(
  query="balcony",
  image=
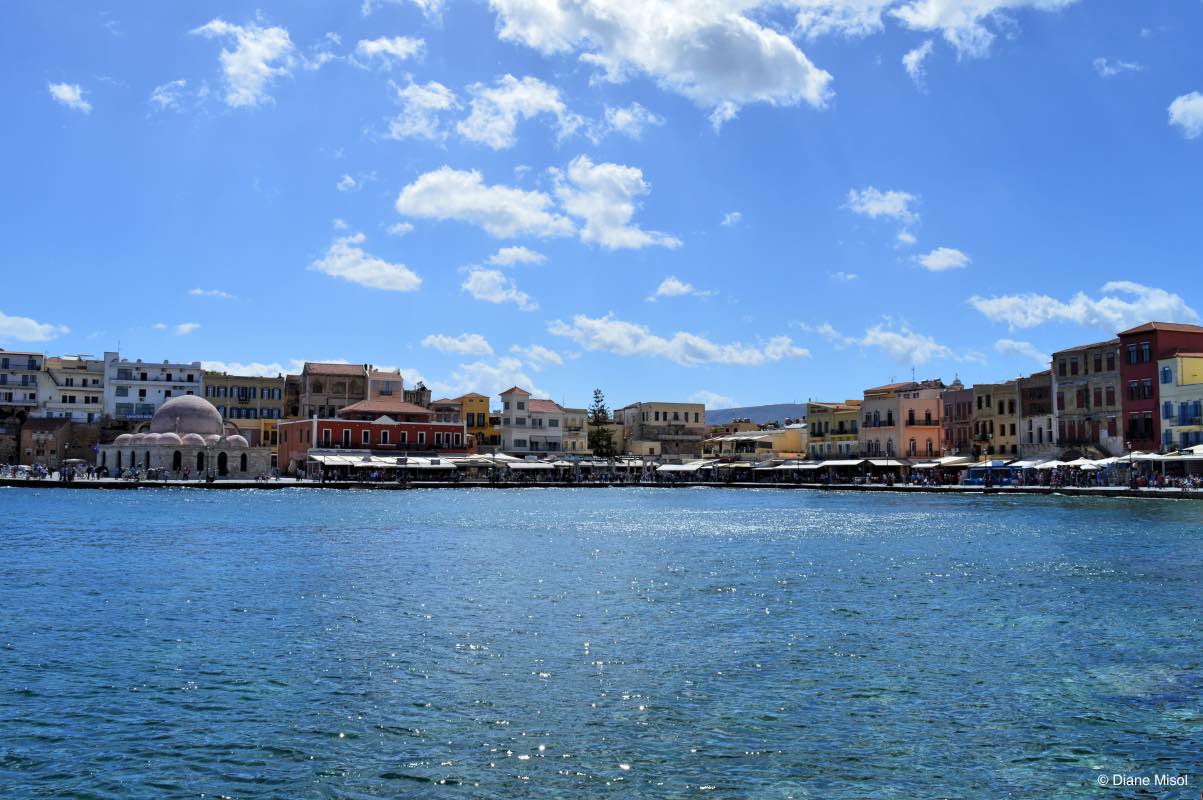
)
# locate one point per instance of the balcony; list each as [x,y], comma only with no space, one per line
[923,423]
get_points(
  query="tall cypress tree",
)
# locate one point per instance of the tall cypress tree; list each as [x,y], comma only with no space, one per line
[601,438]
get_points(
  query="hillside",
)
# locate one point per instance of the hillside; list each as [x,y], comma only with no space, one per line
[777,412]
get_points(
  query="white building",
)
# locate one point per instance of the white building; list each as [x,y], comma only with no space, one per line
[133,390]
[19,382]
[71,387]
[530,426]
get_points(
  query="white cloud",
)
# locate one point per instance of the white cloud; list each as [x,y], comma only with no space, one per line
[712,400]
[24,329]
[913,62]
[537,356]
[492,377]
[253,368]
[260,55]
[345,259]
[1187,113]
[421,105]
[399,228]
[466,344]
[603,195]
[430,8]
[942,259]
[964,23]
[496,110]
[340,224]
[346,184]
[687,349]
[168,95]
[502,211]
[731,218]
[1109,69]
[630,120]
[713,53]
[218,293]
[160,326]
[906,238]
[70,95]
[844,276]
[185,328]
[389,50]
[1024,349]
[1123,304]
[493,286]
[508,256]
[672,286]
[874,203]
[905,345]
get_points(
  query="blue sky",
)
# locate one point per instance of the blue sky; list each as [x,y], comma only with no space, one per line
[737,202]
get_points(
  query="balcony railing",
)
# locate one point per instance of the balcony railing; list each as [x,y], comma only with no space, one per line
[923,423]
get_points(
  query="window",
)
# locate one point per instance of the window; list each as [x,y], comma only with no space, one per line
[1061,368]
[346,437]
[1133,390]
[1111,362]
[438,438]
[1167,375]
[521,406]
[1073,366]
[422,435]
[384,437]
[366,436]
[1146,387]
[459,441]
[1167,410]
[1131,354]
[695,416]
[325,437]
[1098,396]
[1110,395]
[1145,353]
[1098,362]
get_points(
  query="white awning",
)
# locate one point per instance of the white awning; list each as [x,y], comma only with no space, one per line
[799,466]
[1050,464]
[885,462]
[521,465]
[926,465]
[843,462]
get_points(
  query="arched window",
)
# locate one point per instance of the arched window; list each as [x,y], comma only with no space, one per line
[200,463]
[177,460]
[222,464]
[118,459]
[929,451]
[146,463]
[913,448]
[104,459]
[242,463]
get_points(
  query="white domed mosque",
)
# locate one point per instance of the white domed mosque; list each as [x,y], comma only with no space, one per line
[187,433]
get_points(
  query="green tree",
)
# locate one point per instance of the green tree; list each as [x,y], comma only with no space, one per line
[601,438]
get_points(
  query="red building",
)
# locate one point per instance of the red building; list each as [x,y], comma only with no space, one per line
[380,426]
[1139,350]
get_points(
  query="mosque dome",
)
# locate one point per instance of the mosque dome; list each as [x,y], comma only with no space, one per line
[168,439]
[187,414]
[150,438]
[212,438]
[237,441]
[123,439]
[137,439]
[194,439]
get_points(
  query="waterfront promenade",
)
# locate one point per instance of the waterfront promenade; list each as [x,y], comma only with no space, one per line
[901,488]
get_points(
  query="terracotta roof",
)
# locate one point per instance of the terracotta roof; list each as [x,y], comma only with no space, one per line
[891,387]
[1176,327]
[543,406]
[444,400]
[513,389]
[312,367]
[45,423]
[472,394]
[389,407]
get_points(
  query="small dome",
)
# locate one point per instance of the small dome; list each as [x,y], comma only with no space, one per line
[123,439]
[187,414]
[150,438]
[137,439]
[212,438]
[194,439]
[237,441]
[168,439]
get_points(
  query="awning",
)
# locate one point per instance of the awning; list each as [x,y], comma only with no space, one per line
[1050,464]
[843,462]
[885,462]
[692,466]
[798,466]
[521,465]
[1080,462]
[1024,464]
[926,465]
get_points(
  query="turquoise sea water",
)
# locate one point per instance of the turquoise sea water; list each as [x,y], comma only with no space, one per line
[640,643]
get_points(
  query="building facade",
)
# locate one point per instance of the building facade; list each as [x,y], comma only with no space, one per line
[385,426]
[479,422]
[1180,385]
[576,431]
[833,429]
[1141,350]
[957,420]
[530,425]
[1036,438]
[134,390]
[325,389]
[1087,399]
[663,429]
[902,419]
[245,397]
[996,419]
[72,388]
[20,374]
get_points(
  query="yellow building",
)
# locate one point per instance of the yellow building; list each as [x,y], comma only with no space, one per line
[833,429]
[1180,379]
[247,400]
[477,420]
[996,419]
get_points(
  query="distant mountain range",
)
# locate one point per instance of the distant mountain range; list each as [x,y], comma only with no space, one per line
[778,412]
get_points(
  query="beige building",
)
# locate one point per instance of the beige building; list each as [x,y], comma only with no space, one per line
[996,419]
[326,389]
[663,429]
[788,441]
[576,431]
[19,376]
[72,387]
[1086,391]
